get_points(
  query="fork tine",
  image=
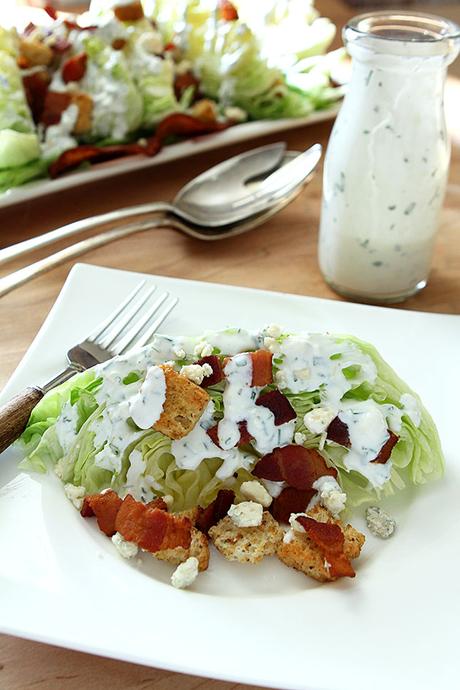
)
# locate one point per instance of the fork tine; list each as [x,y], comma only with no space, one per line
[157,323]
[124,320]
[97,333]
[125,341]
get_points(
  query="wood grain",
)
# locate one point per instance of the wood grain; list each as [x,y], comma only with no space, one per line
[15,413]
[281,255]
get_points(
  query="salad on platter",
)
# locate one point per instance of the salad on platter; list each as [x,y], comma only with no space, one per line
[258,443]
[127,77]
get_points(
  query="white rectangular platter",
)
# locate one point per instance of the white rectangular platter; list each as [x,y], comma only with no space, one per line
[396,625]
[100,171]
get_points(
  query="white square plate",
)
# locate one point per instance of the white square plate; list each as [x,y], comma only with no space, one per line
[396,625]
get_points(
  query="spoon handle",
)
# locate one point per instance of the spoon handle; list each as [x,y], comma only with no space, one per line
[16,250]
[23,275]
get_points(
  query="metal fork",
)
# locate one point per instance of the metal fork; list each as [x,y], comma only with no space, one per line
[132,324]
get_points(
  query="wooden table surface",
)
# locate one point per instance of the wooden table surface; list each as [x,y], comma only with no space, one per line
[281,255]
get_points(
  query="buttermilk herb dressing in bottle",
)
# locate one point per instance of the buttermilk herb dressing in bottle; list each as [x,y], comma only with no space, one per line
[388,157]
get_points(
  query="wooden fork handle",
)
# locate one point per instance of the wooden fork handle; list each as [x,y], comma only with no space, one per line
[15,414]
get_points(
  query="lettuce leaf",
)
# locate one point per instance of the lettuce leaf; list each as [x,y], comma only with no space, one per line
[44,416]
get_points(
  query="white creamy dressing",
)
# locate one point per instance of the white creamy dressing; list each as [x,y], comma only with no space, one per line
[58,138]
[143,401]
[196,446]
[119,399]
[146,407]
[110,98]
[307,366]
[232,341]
[411,408]
[368,431]
[385,173]
[240,406]
[66,426]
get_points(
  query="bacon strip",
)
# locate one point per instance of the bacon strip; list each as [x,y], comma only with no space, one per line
[151,528]
[329,538]
[54,105]
[227,11]
[217,370]
[36,88]
[180,124]
[215,511]
[105,507]
[184,81]
[279,405]
[297,466]
[245,436]
[386,449]
[262,372]
[74,68]
[337,431]
[72,158]
[51,11]
[175,124]
[289,501]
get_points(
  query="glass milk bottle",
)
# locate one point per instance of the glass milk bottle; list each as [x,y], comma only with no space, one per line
[388,157]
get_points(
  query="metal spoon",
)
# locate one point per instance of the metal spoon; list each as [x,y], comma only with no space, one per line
[23,275]
[221,196]
[226,182]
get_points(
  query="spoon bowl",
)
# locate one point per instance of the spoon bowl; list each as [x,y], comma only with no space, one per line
[225,194]
[23,275]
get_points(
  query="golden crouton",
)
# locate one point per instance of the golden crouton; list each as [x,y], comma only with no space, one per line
[85,112]
[192,514]
[129,12]
[246,544]
[198,547]
[183,407]
[205,110]
[303,554]
[35,52]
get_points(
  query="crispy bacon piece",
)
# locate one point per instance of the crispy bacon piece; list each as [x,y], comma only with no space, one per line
[183,82]
[213,435]
[290,501]
[262,373]
[227,11]
[36,88]
[338,431]
[180,124]
[174,124]
[72,158]
[105,507]
[29,29]
[118,43]
[158,503]
[54,105]
[330,540]
[74,68]
[129,13]
[22,62]
[218,509]
[386,449]
[245,436]
[151,528]
[51,11]
[297,466]
[279,405]
[217,370]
